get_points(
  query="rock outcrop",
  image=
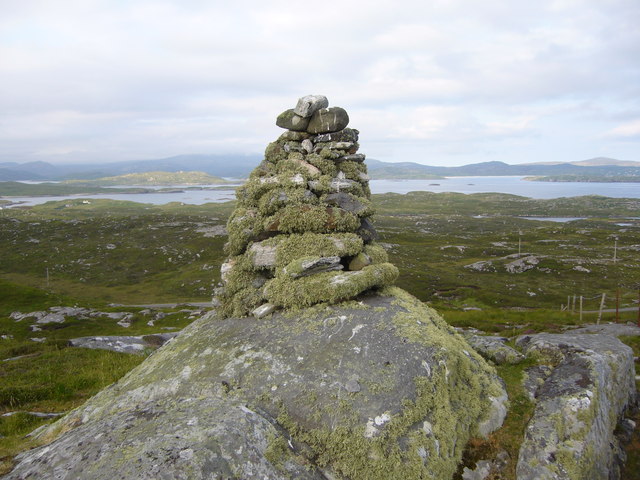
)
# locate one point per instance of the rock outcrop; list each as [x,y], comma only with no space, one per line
[378,388]
[578,404]
[301,233]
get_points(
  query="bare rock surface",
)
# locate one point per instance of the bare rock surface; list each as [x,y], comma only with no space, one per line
[375,388]
[571,433]
[123,344]
[494,348]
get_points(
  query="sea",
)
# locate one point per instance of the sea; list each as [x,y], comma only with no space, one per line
[515,185]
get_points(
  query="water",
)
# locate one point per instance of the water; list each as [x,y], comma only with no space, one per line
[512,185]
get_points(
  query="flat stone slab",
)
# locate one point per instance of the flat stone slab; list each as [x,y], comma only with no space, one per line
[124,344]
[493,348]
[614,329]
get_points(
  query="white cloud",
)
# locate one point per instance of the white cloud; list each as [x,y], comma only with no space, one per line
[144,78]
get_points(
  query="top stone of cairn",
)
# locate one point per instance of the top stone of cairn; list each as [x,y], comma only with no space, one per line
[312,115]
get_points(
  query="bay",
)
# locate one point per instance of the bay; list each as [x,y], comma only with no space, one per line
[468,185]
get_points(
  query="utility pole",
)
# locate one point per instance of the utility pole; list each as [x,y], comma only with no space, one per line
[47,277]
[519,243]
[617,305]
[615,250]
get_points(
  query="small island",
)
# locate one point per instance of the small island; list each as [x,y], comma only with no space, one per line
[153,179]
[586,178]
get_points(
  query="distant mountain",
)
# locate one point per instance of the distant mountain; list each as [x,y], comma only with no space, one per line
[239,166]
[595,162]
[378,169]
[234,166]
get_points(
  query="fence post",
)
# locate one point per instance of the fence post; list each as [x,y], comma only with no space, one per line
[580,308]
[601,307]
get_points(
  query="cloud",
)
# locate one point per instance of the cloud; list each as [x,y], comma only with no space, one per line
[144,78]
[628,130]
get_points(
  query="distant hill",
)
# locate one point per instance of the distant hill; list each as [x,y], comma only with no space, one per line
[378,169]
[239,166]
[233,166]
[153,178]
[595,162]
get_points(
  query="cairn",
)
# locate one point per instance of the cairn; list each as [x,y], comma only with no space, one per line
[301,233]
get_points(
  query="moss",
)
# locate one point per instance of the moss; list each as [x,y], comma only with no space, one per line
[274,152]
[311,218]
[327,167]
[298,245]
[271,202]
[243,225]
[277,451]
[352,170]
[329,287]
[376,253]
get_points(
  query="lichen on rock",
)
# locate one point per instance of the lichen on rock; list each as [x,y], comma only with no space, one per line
[309,197]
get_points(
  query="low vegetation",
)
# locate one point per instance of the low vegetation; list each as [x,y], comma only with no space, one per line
[473,257]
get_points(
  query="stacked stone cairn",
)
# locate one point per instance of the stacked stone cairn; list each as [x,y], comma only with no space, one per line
[301,233]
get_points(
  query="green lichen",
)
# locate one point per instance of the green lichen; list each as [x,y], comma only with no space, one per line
[311,218]
[328,287]
[274,152]
[298,245]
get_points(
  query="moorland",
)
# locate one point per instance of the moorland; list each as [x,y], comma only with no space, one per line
[475,258]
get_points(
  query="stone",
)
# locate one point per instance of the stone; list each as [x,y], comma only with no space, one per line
[289,120]
[264,310]
[310,104]
[311,170]
[341,146]
[493,348]
[313,265]
[359,262]
[356,157]
[367,231]
[342,184]
[533,378]
[345,135]
[571,432]
[254,399]
[307,145]
[51,318]
[613,329]
[262,255]
[481,472]
[327,120]
[123,344]
[292,136]
[345,201]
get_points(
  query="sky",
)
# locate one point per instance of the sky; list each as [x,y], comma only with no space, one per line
[439,82]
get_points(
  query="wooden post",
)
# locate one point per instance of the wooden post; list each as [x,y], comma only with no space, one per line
[580,308]
[617,305]
[639,307]
[573,304]
[601,307]
[615,251]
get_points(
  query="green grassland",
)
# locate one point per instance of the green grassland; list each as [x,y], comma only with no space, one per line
[105,252]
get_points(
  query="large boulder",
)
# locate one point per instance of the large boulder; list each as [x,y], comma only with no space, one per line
[571,433]
[379,387]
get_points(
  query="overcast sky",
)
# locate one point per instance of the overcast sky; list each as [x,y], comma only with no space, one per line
[441,82]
